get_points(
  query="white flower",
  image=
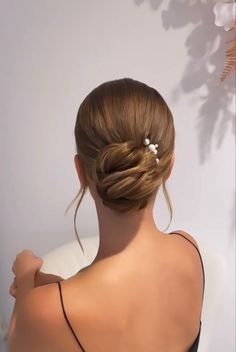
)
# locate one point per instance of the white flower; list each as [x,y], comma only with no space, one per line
[225,15]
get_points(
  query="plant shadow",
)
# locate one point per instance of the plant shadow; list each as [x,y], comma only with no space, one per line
[206,46]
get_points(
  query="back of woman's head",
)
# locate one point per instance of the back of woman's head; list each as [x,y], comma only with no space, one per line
[112,123]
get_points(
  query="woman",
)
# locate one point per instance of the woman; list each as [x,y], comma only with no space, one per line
[144,290]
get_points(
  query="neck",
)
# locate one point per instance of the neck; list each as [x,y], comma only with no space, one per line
[121,232]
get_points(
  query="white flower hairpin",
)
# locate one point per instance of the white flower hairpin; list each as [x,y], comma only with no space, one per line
[151,147]
[225,15]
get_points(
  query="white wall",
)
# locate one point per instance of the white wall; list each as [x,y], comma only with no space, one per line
[52,54]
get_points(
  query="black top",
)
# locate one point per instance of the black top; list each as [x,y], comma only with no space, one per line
[195,344]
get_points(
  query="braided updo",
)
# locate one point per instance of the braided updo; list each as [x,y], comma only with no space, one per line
[112,123]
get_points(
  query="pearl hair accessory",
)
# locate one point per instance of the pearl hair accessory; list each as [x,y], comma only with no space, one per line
[151,147]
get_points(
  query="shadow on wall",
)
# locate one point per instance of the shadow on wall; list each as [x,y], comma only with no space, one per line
[206,46]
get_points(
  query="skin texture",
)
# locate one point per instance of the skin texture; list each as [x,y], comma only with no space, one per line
[142,292]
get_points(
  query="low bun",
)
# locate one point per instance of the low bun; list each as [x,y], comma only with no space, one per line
[126,176]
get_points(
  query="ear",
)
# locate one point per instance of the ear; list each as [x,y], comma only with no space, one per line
[80,172]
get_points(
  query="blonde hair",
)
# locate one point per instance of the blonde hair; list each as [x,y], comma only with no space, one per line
[112,123]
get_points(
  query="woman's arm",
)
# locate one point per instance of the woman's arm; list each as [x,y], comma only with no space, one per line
[34,321]
[40,279]
[26,268]
[12,323]
[25,286]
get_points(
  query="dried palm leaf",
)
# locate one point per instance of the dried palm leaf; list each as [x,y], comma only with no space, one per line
[230,62]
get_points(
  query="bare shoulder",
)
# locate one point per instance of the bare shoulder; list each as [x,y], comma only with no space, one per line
[186,254]
[40,307]
[40,299]
[37,322]
[187,236]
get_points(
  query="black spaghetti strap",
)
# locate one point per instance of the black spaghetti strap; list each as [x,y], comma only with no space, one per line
[199,255]
[67,320]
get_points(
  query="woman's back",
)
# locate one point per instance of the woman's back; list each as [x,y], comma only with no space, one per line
[148,299]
